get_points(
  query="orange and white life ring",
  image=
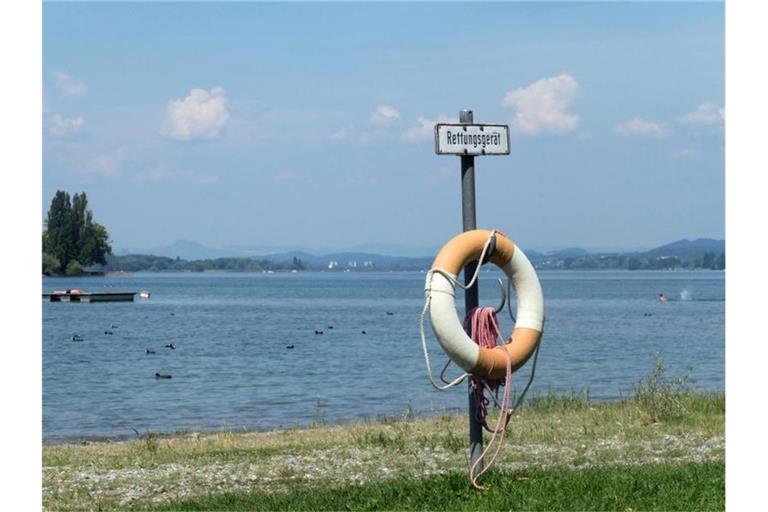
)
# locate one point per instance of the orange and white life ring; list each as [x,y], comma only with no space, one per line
[441,293]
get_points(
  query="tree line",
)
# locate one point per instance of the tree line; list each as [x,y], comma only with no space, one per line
[72,240]
[709,260]
[151,263]
[147,262]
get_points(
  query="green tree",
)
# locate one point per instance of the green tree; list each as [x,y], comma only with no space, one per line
[57,239]
[720,262]
[71,233]
[708,260]
[297,264]
[94,244]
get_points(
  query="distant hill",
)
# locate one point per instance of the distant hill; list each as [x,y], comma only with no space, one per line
[533,254]
[190,250]
[687,249]
[699,253]
[394,250]
[702,253]
[571,252]
[196,256]
[187,250]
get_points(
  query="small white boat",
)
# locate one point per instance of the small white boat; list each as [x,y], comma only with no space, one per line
[144,294]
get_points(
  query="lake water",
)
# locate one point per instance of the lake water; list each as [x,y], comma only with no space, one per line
[231,368]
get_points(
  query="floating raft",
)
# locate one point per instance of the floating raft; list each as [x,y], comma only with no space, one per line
[80,296]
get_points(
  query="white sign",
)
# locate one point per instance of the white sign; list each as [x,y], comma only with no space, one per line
[471,139]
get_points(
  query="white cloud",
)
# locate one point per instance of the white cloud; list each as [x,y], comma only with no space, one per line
[543,106]
[384,114]
[706,114]
[425,128]
[60,126]
[201,115]
[641,127]
[69,85]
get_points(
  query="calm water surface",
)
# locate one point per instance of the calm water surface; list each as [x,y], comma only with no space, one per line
[231,367]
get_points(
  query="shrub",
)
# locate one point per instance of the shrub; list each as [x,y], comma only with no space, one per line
[74,268]
[663,400]
[51,264]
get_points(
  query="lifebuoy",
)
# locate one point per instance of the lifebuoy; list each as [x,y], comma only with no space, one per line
[441,293]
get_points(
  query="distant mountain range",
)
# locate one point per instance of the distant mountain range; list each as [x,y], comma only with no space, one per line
[190,250]
[686,253]
[686,249]
[704,253]
[186,250]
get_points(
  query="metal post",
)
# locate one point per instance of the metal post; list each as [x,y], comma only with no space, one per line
[470,296]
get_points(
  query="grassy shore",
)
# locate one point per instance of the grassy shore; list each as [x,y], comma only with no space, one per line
[686,486]
[662,449]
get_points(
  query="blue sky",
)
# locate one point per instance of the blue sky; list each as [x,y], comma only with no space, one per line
[309,125]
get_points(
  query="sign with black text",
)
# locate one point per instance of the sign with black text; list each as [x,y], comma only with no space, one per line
[471,139]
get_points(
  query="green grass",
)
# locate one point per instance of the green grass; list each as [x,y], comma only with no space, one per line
[690,486]
[571,400]
[564,439]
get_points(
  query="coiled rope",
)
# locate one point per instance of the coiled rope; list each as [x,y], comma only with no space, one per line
[485,332]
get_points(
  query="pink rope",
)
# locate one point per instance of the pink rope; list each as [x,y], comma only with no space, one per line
[486,333]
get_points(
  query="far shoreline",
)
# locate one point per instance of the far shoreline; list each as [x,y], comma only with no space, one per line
[121,273]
